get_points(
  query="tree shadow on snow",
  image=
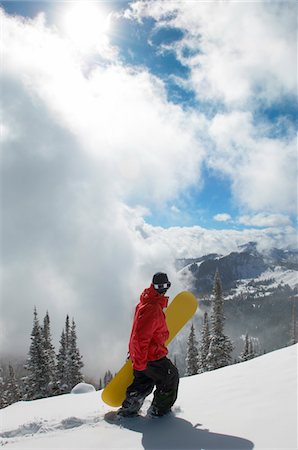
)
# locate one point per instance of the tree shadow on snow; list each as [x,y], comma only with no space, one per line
[174,433]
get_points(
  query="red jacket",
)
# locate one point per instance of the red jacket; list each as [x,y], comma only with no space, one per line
[149,330]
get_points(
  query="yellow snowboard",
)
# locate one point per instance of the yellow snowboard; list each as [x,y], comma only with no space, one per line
[178,313]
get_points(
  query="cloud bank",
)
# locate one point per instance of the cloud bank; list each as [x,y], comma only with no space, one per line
[76,147]
[242,58]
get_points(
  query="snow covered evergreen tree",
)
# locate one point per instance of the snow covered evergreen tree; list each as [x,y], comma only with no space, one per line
[50,354]
[251,349]
[220,348]
[62,366]
[74,358]
[12,392]
[107,378]
[192,358]
[293,339]
[244,354]
[36,383]
[69,360]
[248,350]
[3,402]
[204,344]
[67,331]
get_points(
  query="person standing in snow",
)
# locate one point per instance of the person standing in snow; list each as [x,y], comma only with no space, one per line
[147,349]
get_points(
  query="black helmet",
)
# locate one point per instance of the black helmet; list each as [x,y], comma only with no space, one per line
[160,282]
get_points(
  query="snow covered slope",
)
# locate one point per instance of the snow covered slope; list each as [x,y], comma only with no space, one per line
[265,284]
[246,272]
[252,405]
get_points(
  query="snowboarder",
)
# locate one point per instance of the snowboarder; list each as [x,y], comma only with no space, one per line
[147,349]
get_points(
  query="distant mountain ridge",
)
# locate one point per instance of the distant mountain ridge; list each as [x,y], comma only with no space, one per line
[248,265]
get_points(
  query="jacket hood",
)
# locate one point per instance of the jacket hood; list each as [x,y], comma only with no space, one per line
[150,295]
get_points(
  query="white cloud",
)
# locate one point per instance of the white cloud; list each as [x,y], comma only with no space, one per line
[79,145]
[120,115]
[222,217]
[192,242]
[262,169]
[237,49]
[265,220]
[241,55]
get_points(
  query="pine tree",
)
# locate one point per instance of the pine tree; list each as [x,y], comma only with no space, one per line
[192,358]
[251,350]
[36,382]
[3,400]
[67,331]
[69,360]
[220,348]
[204,345]
[74,358]
[246,350]
[293,339]
[12,392]
[50,355]
[107,378]
[62,365]
[63,360]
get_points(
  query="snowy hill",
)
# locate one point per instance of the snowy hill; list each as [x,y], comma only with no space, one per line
[247,272]
[252,405]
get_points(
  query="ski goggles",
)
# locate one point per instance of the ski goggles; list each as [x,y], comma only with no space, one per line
[162,286]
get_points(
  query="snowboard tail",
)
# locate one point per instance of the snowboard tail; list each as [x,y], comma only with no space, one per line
[178,313]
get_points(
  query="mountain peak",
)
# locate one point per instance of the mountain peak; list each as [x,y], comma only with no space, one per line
[249,247]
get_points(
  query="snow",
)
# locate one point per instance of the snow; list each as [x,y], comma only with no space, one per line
[280,276]
[272,278]
[82,388]
[252,405]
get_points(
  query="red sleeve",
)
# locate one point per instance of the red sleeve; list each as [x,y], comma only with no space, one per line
[141,336]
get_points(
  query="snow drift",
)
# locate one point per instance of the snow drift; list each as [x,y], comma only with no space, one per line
[82,388]
[252,405]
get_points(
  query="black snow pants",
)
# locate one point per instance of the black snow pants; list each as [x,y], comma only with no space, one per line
[160,373]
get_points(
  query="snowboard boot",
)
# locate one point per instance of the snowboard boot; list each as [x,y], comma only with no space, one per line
[154,412]
[126,412]
[131,406]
